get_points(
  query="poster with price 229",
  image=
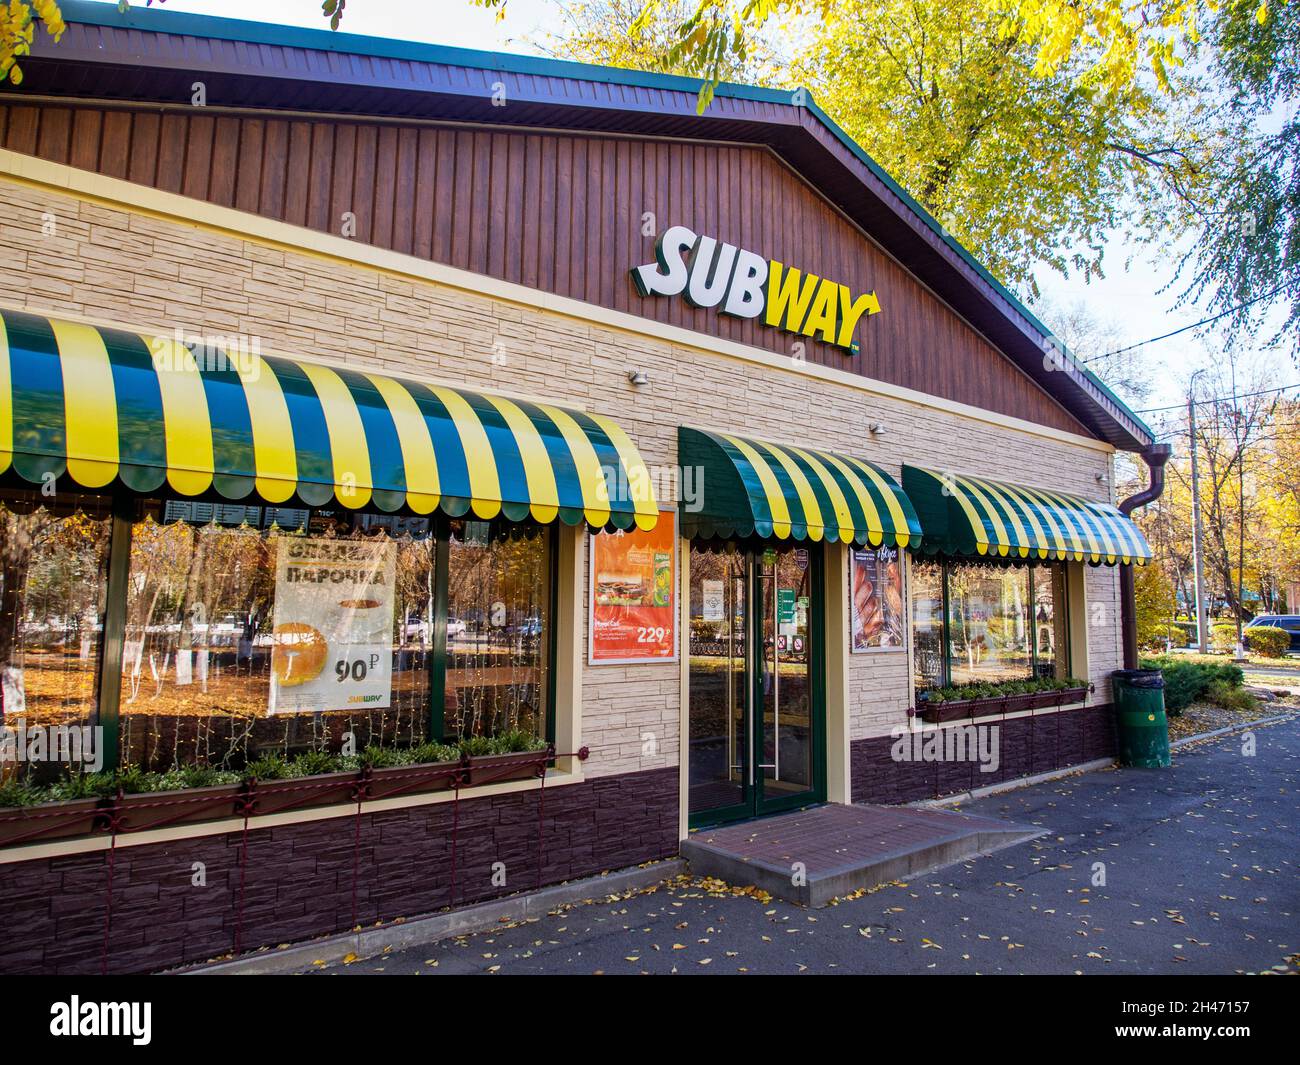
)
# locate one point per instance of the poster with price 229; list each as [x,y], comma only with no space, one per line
[634,594]
[332,633]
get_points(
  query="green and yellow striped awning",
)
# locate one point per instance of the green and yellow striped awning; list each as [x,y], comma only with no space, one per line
[748,487]
[964,515]
[105,406]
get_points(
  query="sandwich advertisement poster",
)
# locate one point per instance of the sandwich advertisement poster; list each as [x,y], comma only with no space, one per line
[332,630]
[633,594]
[877,600]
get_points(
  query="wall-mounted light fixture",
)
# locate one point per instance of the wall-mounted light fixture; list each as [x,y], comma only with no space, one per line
[876,428]
[638,377]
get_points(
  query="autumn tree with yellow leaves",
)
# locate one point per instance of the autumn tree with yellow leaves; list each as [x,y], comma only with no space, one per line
[17,27]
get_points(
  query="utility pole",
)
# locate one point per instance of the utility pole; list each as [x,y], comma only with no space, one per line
[1240,430]
[1198,563]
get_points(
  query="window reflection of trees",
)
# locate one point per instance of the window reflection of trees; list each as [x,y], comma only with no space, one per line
[1005,622]
[53,559]
[989,630]
[498,585]
[196,658]
[927,622]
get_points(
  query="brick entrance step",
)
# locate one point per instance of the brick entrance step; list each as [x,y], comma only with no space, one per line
[812,856]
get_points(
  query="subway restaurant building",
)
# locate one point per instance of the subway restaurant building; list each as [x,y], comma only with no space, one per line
[426,475]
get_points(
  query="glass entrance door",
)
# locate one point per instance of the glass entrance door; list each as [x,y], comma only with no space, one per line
[755,682]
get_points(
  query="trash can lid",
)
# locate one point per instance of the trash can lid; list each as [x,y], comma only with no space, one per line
[1139,678]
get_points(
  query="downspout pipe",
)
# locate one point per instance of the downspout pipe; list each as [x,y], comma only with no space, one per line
[1155,457]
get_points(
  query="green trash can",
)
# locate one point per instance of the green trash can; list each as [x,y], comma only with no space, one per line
[1140,716]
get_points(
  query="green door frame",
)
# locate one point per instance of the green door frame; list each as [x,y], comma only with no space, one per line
[755,805]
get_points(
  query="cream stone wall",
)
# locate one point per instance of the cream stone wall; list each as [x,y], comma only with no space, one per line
[152,271]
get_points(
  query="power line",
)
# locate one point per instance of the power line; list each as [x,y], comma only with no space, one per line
[1184,329]
[1220,399]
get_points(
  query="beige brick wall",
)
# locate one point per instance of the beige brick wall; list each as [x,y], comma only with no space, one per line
[112,264]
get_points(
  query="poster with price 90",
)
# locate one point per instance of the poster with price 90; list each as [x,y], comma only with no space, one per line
[633,594]
[332,633]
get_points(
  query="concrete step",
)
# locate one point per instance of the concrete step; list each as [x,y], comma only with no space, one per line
[812,856]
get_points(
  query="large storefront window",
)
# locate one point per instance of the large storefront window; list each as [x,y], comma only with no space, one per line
[497,654]
[927,623]
[252,631]
[53,554]
[987,623]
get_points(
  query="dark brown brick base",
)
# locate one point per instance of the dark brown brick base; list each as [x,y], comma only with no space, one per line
[1027,745]
[299,878]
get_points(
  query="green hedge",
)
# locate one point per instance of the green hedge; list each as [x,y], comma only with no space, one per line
[1268,640]
[1187,681]
[1223,637]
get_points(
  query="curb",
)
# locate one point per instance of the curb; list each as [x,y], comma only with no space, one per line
[480,917]
[1229,729]
[1014,785]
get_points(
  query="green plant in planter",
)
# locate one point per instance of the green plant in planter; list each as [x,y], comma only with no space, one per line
[81,786]
[196,776]
[512,741]
[430,753]
[314,763]
[19,793]
[382,757]
[268,767]
[135,780]
[517,741]
[477,746]
[986,690]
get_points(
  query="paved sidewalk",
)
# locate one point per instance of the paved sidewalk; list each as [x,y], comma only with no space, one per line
[1201,868]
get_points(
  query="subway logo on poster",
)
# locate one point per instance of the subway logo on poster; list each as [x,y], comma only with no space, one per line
[707,273]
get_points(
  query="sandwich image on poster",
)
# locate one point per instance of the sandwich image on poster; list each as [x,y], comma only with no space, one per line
[332,628]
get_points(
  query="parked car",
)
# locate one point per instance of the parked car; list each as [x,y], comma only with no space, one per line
[1289,622]
[417,628]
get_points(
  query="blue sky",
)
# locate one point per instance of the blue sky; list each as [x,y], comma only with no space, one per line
[1130,295]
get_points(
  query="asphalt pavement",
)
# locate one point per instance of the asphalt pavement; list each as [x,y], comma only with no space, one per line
[1194,869]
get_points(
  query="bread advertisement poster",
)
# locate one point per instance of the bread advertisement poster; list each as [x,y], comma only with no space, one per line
[877,599]
[332,634]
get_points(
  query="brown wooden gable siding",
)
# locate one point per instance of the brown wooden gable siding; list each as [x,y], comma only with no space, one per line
[557,212]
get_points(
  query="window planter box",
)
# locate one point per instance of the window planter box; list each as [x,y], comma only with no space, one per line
[52,820]
[416,779]
[323,789]
[141,811]
[959,709]
[185,806]
[498,768]
[956,709]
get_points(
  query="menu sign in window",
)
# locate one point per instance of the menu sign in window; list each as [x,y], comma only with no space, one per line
[332,636]
[634,594]
[877,616]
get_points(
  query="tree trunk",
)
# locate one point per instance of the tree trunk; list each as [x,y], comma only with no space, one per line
[19,534]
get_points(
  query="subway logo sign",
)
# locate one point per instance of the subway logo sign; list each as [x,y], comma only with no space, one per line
[709,273]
